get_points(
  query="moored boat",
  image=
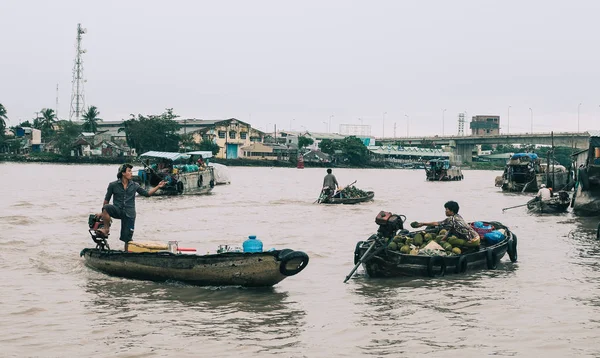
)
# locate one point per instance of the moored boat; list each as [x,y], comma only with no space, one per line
[586,198]
[380,258]
[525,172]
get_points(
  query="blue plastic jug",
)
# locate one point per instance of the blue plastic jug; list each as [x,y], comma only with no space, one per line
[252,244]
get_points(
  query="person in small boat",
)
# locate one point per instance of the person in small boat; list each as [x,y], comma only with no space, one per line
[123,192]
[330,183]
[456,226]
[544,193]
[201,164]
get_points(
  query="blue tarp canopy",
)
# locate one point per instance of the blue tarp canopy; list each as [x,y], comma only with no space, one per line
[203,153]
[533,156]
[166,155]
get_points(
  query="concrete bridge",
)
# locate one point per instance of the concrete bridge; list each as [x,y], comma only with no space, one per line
[463,145]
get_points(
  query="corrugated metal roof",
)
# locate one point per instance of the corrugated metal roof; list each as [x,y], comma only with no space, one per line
[166,155]
[594,133]
[411,151]
[203,153]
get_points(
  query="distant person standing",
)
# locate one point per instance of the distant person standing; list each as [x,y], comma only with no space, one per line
[544,193]
[330,181]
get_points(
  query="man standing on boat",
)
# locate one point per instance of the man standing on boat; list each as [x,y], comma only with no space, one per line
[456,225]
[123,192]
[330,181]
[544,193]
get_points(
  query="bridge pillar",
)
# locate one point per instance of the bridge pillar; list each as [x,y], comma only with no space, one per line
[465,151]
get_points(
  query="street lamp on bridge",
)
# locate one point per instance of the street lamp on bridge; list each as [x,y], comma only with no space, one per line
[578,108]
[407,125]
[443,111]
[531,110]
[508,121]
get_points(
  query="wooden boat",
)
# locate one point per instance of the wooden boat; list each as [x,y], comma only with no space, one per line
[586,198]
[557,204]
[525,172]
[258,269]
[442,170]
[380,261]
[182,177]
[324,199]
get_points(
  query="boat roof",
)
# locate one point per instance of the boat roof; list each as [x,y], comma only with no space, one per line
[519,155]
[203,153]
[166,155]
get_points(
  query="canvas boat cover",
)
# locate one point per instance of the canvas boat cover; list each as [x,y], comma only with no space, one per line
[204,153]
[533,156]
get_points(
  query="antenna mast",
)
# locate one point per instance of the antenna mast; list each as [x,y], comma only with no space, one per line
[77,95]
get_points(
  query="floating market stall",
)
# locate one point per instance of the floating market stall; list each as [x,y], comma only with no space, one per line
[348,195]
[396,252]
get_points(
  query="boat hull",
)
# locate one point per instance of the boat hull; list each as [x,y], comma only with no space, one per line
[261,269]
[388,263]
[552,207]
[370,196]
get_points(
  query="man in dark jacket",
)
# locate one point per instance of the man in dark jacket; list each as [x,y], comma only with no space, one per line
[123,192]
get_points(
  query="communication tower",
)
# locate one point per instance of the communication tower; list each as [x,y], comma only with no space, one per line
[461,124]
[77,93]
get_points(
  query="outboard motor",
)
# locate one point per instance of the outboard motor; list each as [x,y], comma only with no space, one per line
[389,223]
[95,222]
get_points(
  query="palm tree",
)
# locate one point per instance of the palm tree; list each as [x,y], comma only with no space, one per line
[3,118]
[91,118]
[46,121]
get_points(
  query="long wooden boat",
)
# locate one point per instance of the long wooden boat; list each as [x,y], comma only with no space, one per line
[390,263]
[182,178]
[336,200]
[557,204]
[259,269]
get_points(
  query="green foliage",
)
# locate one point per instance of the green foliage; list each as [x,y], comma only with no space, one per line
[66,136]
[45,122]
[209,145]
[25,124]
[354,151]
[152,132]
[328,146]
[90,118]
[304,142]
[486,147]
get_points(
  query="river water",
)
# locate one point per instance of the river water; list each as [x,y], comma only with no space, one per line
[548,303]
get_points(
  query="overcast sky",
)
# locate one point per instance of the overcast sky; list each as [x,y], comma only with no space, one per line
[298,63]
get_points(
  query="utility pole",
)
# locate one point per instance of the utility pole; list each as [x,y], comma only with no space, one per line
[443,120]
[56,109]
[508,122]
[394,129]
[383,122]
[77,93]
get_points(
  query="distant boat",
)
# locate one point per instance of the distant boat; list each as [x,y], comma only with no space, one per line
[525,172]
[442,170]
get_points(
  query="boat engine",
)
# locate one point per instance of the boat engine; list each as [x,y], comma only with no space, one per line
[95,222]
[389,223]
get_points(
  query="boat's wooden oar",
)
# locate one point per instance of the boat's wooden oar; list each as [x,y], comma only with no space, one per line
[364,258]
[512,207]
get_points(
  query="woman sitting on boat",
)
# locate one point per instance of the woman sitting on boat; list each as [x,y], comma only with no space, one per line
[464,234]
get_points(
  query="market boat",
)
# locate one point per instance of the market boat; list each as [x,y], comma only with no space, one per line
[442,170]
[379,257]
[557,204]
[525,172]
[586,198]
[250,269]
[182,177]
[348,195]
